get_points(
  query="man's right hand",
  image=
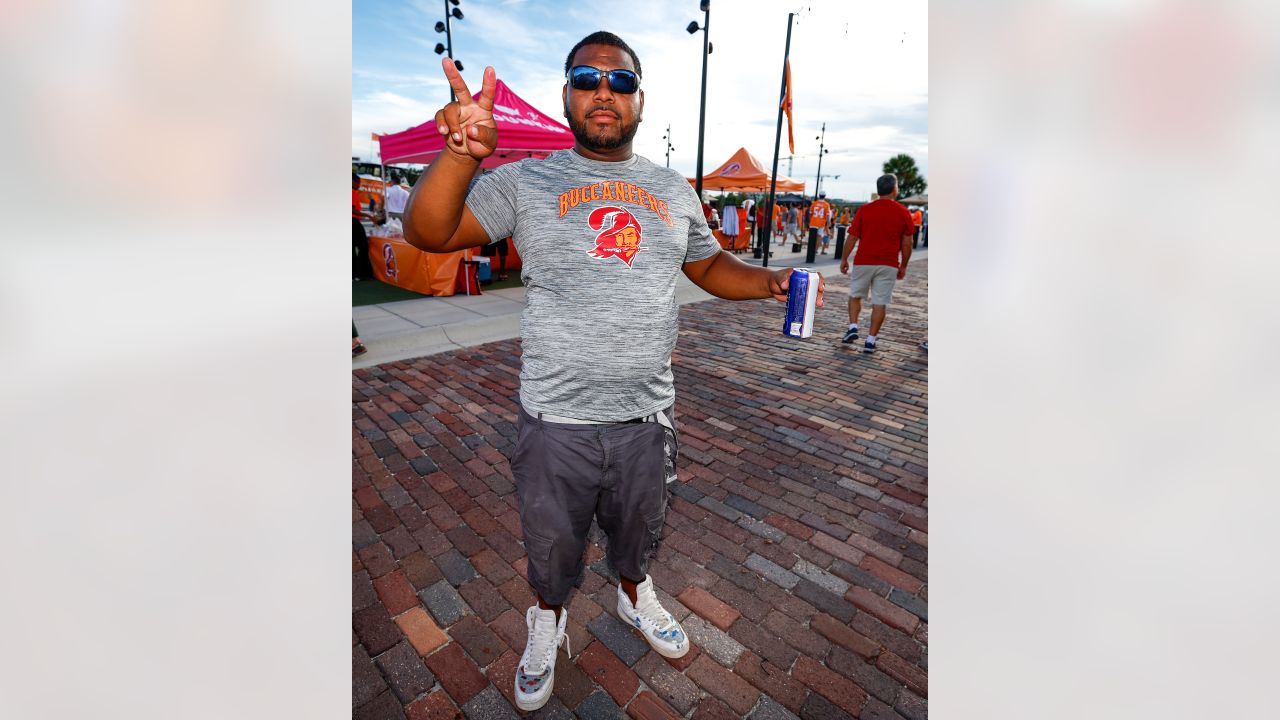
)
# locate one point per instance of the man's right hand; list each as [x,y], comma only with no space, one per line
[844,267]
[468,123]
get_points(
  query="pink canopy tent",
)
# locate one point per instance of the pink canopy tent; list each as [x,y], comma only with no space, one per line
[523,132]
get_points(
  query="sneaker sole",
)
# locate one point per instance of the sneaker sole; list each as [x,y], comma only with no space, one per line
[673,654]
[529,706]
[849,341]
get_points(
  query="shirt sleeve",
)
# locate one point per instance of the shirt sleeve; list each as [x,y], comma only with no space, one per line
[492,199]
[701,245]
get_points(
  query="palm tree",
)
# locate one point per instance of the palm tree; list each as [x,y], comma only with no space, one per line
[909,180]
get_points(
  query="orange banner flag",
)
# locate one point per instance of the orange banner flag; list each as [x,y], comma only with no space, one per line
[786,107]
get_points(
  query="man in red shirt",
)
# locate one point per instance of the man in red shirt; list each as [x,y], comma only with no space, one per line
[882,231]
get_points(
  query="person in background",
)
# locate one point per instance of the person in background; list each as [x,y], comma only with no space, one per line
[397,197]
[357,347]
[361,266]
[708,212]
[917,219]
[792,225]
[500,250]
[882,232]
[819,216]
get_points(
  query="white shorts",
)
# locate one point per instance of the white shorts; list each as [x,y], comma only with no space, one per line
[873,281]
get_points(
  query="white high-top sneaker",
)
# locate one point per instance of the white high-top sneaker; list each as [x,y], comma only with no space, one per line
[649,617]
[536,673]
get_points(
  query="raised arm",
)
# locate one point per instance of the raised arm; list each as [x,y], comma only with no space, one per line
[436,217]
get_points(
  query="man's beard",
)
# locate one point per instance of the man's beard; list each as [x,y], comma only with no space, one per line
[601,139]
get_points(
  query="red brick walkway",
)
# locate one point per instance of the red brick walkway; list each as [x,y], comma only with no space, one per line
[795,552]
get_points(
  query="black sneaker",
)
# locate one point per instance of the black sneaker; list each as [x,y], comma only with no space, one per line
[850,336]
[869,347]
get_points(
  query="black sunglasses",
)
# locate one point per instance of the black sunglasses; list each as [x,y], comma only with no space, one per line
[585,77]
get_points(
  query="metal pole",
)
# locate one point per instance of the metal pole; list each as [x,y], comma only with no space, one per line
[702,112]
[777,141]
[669,149]
[818,184]
[448,36]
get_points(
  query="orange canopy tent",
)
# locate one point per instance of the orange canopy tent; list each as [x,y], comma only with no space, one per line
[744,173]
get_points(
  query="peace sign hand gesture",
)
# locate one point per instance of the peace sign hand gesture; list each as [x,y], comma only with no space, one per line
[468,123]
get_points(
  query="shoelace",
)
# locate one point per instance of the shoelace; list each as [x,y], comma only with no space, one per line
[543,649]
[650,609]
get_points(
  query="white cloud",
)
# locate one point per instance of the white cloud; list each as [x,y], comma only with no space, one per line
[863,70]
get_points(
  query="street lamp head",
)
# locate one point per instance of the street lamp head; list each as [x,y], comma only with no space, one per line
[456,2]
[458,64]
[692,27]
[439,48]
[439,26]
[704,5]
[711,47]
[457,13]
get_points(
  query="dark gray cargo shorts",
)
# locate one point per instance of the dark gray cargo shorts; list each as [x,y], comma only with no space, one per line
[567,474]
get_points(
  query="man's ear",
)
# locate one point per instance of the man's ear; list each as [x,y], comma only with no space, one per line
[640,115]
[564,99]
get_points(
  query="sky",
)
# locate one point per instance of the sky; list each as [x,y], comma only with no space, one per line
[862,68]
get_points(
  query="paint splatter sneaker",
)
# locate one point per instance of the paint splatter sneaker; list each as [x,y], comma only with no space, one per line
[536,673]
[649,617]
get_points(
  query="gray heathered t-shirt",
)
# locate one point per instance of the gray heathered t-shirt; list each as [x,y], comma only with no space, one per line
[601,245]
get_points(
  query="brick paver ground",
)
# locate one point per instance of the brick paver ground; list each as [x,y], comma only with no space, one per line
[795,551]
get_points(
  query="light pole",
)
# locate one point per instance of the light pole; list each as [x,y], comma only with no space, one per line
[446,27]
[667,137]
[821,151]
[705,6]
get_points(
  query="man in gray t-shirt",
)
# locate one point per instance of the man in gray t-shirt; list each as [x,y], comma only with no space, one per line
[602,234]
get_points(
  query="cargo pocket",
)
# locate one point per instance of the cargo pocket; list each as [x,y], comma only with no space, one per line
[670,446]
[538,548]
[653,531]
[657,516]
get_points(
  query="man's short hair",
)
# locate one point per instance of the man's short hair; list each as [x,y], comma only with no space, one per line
[886,183]
[602,37]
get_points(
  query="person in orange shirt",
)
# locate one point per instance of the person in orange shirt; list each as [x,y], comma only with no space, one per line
[845,217]
[361,266]
[917,219]
[819,217]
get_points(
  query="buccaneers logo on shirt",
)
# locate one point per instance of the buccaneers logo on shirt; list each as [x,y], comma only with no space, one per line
[619,234]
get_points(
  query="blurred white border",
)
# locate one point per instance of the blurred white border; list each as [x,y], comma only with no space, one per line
[173,298]
[1101,394]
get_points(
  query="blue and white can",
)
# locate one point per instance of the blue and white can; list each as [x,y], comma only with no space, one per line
[802,298]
